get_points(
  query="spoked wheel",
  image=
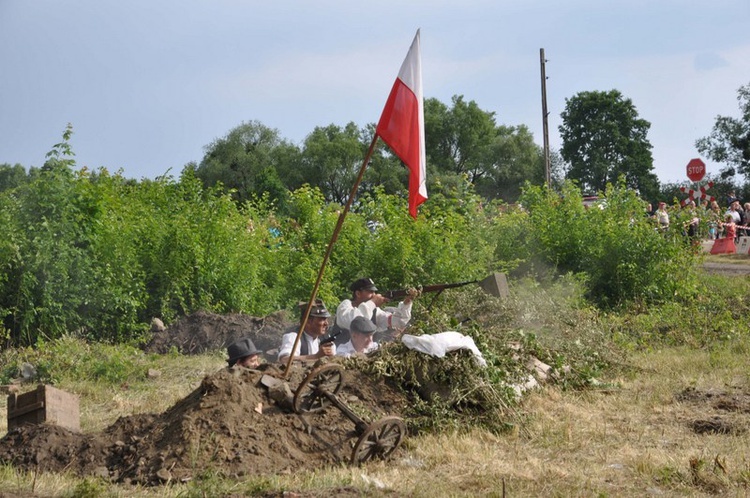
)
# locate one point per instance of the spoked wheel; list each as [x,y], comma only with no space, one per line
[379,440]
[310,395]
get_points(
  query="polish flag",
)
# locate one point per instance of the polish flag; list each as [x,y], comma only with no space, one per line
[401,125]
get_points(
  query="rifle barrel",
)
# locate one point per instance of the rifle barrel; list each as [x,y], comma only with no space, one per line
[391,294]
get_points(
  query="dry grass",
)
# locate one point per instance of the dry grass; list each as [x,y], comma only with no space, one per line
[634,439]
[100,405]
[177,377]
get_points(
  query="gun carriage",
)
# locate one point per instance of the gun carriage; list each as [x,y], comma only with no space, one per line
[319,389]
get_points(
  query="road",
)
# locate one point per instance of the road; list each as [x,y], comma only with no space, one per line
[733,264]
[737,269]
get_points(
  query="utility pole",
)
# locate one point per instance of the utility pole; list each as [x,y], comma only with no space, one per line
[545,125]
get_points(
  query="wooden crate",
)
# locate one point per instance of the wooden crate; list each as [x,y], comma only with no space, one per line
[45,404]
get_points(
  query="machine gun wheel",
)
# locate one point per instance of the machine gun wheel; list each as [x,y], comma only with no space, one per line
[311,393]
[379,440]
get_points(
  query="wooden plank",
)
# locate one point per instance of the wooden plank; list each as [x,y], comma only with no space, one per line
[45,404]
[25,409]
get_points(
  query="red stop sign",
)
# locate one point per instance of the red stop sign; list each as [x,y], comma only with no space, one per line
[696,170]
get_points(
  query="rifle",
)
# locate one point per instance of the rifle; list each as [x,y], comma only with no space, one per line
[399,293]
[495,285]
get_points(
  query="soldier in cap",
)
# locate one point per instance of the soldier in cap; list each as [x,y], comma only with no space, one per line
[309,347]
[362,331]
[366,302]
[243,353]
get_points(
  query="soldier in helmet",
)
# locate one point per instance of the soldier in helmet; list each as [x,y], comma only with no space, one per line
[309,347]
[243,353]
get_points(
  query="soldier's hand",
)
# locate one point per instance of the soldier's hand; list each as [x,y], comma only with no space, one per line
[379,299]
[411,294]
[326,350]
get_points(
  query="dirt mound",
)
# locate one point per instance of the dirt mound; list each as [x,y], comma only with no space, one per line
[720,411]
[203,331]
[227,425]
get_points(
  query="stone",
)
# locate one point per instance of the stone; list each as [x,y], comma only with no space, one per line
[164,475]
[157,325]
[538,368]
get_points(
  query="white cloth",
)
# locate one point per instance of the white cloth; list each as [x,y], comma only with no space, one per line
[347,350]
[287,341]
[439,344]
[391,317]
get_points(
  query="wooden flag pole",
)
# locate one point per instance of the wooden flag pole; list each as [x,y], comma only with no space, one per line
[334,237]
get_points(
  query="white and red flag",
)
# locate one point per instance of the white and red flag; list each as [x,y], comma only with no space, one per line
[401,125]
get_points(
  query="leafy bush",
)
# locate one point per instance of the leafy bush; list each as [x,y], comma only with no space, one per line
[551,323]
[447,243]
[97,255]
[621,253]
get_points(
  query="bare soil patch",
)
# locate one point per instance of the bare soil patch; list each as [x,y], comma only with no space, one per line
[722,411]
[228,425]
[202,331]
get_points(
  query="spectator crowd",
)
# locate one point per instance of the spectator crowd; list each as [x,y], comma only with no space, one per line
[705,220]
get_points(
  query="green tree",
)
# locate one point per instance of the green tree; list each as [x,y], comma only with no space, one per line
[729,141]
[515,160]
[247,161]
[459,140]
[385,171]
[603,139]
[12,176]
[331,159]
[464,141]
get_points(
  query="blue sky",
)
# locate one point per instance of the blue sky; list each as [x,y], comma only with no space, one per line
[148,84]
